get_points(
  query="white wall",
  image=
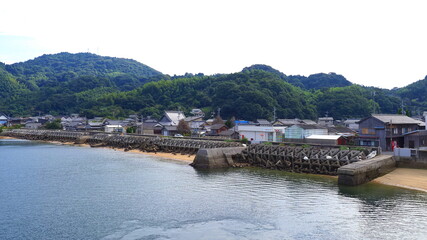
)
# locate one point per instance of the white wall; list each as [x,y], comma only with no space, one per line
[258,133]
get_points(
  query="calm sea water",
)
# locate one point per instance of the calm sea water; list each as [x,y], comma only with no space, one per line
[52,191]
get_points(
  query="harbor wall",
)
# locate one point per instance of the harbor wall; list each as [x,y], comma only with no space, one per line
[216,157]
[127,142]
[364,171]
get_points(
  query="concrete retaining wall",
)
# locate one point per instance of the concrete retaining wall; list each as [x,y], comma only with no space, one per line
[364,171]
[410,163]
[215,157]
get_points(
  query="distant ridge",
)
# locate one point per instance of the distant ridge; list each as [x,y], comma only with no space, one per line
[94,85]
[314,81]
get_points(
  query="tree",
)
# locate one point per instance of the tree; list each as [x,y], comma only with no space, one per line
[55,124]
[183,127]
[230,122]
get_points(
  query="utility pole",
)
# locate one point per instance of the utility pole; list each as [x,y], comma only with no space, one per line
[274,114]
[373,98]
[219,112]
[391,134]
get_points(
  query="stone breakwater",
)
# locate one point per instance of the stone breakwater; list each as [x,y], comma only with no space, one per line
[127,142]
[316,160]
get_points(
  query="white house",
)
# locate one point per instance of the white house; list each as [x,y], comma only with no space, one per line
[257,134]
[3,119]
[301,131]
[114,128]
[171,118]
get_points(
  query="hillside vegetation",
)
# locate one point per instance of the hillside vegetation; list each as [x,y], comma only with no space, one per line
[93,85]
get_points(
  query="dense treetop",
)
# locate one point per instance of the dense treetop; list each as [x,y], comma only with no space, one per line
[92,85]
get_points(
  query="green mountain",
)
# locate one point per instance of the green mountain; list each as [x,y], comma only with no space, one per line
[54,69]
[320,81]
[93,85]
[246,95]
[414,95]
[312,82]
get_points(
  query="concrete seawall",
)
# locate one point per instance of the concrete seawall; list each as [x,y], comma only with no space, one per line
[216,157]
[127,142]
[364,171]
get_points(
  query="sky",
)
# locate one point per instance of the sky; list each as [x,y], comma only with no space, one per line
[380,43]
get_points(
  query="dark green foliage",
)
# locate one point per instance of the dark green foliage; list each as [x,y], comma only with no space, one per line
[319,81]
[414,96]
[64,67]
[265,68]
[230,122]
[131,129]
[92,86]
[342,103]
[246,95]
[55,124]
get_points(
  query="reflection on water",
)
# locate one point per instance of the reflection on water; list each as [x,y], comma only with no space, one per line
[55,192]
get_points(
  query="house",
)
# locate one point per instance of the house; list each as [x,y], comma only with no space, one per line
[197,112]
[74,122]
[326,140]
[301,131]
[326,121]
[384,129]
[308,122]
[258,133]
[97,123]
[340,130]
[196,124]
[353,124]
[17,121]
[3,120]
[33,125]
[171,118]
[230,133]
[287,122]
[168,130]
[415,139]
[216,129]
[149,127]
[114,128]
[418,138]
[263,122]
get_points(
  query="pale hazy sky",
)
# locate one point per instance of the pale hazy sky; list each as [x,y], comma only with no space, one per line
[375,43]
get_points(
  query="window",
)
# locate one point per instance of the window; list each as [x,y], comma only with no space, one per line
[395,131]
[368,131]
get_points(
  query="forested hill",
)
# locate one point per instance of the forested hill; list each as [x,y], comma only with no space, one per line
[312,82]
[52,69]
[92,85]
[415,95]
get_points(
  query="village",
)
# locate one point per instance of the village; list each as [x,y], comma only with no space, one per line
[387,131]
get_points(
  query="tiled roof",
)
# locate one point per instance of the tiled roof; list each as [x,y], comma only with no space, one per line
[395,119]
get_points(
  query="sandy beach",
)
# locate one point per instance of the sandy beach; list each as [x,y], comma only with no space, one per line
[415,179]
[5,137]
[178,157]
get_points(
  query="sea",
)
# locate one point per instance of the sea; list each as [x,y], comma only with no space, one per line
[53,191]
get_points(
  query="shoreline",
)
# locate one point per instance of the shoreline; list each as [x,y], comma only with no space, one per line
[408,178]
[176,157]
[6,137]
